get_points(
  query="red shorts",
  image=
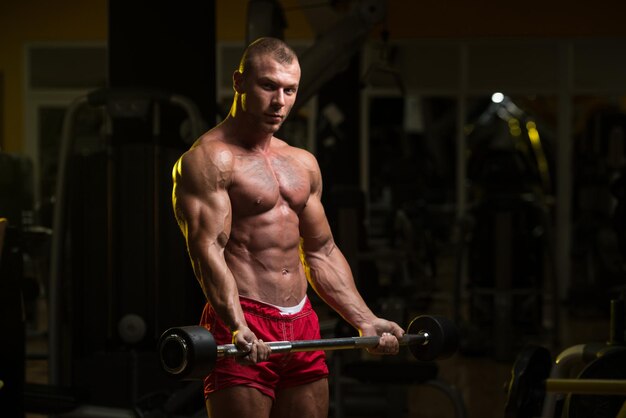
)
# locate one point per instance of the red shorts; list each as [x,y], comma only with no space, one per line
[282,370]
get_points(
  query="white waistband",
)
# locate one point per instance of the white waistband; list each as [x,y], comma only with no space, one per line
[290,310]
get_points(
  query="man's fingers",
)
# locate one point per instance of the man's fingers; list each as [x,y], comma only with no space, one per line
[388,344]
[257,351]
[263,351]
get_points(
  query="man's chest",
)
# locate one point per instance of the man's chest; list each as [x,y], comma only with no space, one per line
[265,181]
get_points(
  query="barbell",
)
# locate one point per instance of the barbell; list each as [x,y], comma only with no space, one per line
[190,352]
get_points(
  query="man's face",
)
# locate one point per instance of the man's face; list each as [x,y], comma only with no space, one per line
[268,91]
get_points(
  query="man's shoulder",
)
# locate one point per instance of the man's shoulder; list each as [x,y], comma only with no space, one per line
[208,153]
[210,144]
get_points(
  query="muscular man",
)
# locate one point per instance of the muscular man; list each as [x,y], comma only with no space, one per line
[245,202]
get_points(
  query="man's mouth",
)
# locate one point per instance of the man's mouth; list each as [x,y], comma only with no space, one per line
[275,118]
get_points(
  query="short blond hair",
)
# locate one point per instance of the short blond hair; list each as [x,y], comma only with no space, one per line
[277,48]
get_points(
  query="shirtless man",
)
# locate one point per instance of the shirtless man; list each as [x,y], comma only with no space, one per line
[245,202]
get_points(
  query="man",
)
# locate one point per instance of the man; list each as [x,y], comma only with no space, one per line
[245,202]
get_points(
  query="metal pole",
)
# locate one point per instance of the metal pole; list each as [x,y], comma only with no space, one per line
[58,239]
[562,242]
[587,386]
[461,198]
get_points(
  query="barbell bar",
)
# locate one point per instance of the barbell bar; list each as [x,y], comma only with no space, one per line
[190,352]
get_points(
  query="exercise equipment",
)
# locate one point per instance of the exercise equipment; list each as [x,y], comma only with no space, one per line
[530,383]
[12,349]
[525,392]
[604,395]
[110,326]
[191,352]
[537,383]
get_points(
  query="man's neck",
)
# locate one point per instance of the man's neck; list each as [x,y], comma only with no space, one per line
[239,132]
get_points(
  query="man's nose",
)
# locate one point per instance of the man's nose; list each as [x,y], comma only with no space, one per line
[279,98]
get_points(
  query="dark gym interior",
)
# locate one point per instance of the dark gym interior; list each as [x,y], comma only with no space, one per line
[473,159]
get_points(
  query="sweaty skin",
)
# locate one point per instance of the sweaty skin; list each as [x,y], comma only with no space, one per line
[244,199]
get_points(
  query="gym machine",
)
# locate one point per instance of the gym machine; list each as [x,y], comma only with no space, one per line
[541,388]
[92,328]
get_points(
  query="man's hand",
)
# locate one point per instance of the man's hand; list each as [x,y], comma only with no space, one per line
[257,350]
[389,333]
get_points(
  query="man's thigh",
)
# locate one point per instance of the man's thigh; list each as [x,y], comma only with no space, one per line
[239,401]
[304,401]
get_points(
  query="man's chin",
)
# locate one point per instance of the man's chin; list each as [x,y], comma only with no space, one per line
[272,128]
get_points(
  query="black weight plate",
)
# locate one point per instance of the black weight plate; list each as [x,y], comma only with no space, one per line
[187,352]
[443,337]
[526,389]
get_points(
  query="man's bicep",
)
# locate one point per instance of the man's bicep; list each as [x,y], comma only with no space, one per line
[201,204]
[204,218]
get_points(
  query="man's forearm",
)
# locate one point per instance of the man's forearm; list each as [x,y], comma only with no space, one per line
[331,277]
[220,290]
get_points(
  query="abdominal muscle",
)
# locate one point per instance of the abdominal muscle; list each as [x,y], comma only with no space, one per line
[265,262]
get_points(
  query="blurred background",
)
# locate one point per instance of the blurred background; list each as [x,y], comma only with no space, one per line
[473,158]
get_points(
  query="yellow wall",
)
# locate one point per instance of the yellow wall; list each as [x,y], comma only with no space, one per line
[496,18]
[230,20]
[23,21]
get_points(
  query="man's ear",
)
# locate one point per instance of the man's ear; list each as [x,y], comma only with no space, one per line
[238,82]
